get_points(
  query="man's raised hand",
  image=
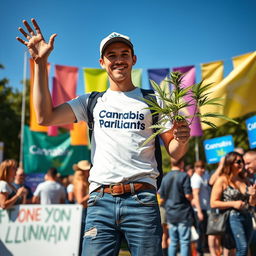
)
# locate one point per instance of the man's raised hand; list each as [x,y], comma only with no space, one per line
[38,48]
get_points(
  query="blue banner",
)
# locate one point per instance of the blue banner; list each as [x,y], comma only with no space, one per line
[216,148]
[251,130]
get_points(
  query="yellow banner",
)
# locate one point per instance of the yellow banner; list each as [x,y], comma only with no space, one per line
[212,72]
[236,90]
[95,79]
[33,122]
[240,59]
[79,134]
[137,77]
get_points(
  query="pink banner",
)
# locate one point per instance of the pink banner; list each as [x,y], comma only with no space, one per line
[188,80]
[64,89]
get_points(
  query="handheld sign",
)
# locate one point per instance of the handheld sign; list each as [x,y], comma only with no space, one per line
[40,230]
[216,148]
[251,130]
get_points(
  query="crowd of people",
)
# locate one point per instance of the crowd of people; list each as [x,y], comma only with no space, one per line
[188,197]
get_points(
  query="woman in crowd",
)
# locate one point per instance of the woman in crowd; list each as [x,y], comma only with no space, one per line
[81,189]
[9,195]
[232,192]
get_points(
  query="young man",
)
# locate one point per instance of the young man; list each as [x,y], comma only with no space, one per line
[176,193]
[50,191]
[123,176]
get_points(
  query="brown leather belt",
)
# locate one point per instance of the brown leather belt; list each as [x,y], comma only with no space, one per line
[120,188]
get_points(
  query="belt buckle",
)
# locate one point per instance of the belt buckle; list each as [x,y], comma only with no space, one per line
[117,184]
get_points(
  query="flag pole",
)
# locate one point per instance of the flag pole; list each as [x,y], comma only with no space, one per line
[197,148]
[23,108]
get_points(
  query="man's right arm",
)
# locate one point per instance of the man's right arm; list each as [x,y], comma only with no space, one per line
[45,112]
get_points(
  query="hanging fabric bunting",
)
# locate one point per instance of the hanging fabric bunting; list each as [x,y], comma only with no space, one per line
[158,75]
[63,89]
[34,126]
[240,59]
[212,72]
[137,77]
[95,79]
[236,91]
[78,134]
[188,80]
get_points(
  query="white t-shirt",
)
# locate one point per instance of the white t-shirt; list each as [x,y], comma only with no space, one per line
[70,188]
[5,187]
[121,125]
[201,182]
[50,192]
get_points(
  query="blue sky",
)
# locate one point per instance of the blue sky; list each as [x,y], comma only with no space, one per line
[165,33]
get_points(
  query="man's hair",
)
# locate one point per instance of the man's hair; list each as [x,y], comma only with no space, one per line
[177,162]
[199,163]
[52,172]
[250,153]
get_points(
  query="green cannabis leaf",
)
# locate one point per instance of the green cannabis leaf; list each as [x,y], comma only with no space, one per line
[174,105]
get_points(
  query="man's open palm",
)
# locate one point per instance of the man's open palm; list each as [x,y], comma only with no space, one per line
[38,48]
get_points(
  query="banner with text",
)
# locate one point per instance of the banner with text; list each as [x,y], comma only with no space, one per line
[216,148]
[42,152]
[251,130]
[40,230]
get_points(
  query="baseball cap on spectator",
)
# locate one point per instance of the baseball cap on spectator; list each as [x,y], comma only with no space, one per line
[113,38]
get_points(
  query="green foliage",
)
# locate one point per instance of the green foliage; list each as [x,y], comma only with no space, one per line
[10,116]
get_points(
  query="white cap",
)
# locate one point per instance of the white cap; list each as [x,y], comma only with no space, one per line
[114,37]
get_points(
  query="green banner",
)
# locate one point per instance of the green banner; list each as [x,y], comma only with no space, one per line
[42,152]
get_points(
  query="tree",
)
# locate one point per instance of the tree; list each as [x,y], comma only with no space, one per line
[10,116]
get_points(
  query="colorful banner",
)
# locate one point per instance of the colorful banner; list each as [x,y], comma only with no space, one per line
[212,72]
[40,230]
[137,77]
[240,59]
[251,130]
[216,148]
[236,91]
[64,84]
[158,75]
[34,126]
[42,152]
[79,134]
[188,80]
[95,79]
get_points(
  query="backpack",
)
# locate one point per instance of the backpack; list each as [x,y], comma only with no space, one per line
[147,94]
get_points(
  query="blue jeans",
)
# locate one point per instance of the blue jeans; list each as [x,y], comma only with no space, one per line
[179,232]
[241,228]
[134,216]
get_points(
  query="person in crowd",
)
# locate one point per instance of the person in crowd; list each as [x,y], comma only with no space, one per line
[201,202]
[70,190]
[189,169]
[50,191]
[9,195]
[220,243]
[122,166]
[232,192]
[81,190]
[250,166]
[19,181]
[176,193]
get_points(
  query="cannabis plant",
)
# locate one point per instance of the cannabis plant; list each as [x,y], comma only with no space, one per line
[174,105]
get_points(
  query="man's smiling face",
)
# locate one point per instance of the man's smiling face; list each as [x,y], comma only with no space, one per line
[118,61]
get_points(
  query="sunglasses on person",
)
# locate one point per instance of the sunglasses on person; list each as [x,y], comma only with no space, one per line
[239,161]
